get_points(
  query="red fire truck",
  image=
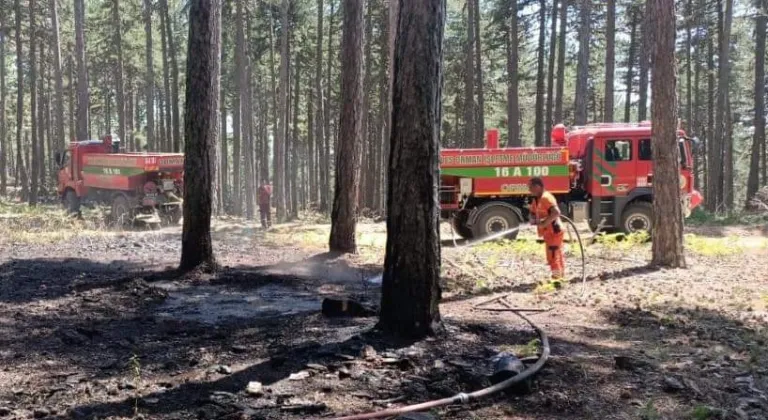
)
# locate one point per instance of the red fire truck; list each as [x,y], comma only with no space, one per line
[138,186]
[601,174]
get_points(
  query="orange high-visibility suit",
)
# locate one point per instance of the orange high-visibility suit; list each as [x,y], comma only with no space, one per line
[552,234]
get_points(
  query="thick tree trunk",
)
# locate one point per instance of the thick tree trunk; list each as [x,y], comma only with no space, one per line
[280,140]
[344,214]
[58,111]
[410,289]
[559,116]
[330,135]
[630,65]
[35,145]
[149,77]
[582,68]
[753,180]
[83,102]
[538,127]
[548,123]
[644,62]
[513,78]
[480,110]
[469,82]
[384,115]
[667,212]
[201,131]
[366,174]
[610,58]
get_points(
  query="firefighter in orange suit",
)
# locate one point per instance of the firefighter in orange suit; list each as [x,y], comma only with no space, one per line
[545,214]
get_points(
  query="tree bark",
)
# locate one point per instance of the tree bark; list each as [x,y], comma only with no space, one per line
[548,123]
[83,102]
[173,101]
[410,288]
[644,62]
[513,83]
[118,45]
[295,141]
[41,112]
[582,68]
[201,131]
[630,64]
[320,134]
[559,116]
[715,184]
[344,214]
[366,178]
[149,77]
[667,246]
[58,112]
[470,131]
[610,58]
[35,145]
[480,110]
[753,179]
[280,140]
[72,100]
[223,173]
[330,135]
[20,166]
[709,140]
[538,127]
[165,33]
[689,66]
[4,146]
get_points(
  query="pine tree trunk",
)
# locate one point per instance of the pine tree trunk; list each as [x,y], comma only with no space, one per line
[410,288]
[610,59]
[311,153]
[716,183]
[295,145]
[201,131]
[728,176]
[366,186]
[168,129]
[83,102]
[538,127]
[330,135]
[173,100]
[344,214]
[667,213]
[383,116]
[223,174]
[559,116]
[548,123]
[35,145]
[644,62]
[470,113]
[710,141]
[58,111]
[22,177]
[41,111]
[689,66]
[630,65]
[280,140]
[149,77]
[391,33]
[480,110]
[753,180]
[582,69]
[513,78]
[72,101]
[319,192]
[4,146]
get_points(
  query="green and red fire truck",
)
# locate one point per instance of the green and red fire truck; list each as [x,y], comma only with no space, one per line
[601,174]
[138,186]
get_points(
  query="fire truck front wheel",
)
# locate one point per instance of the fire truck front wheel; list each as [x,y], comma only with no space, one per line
[496,219]
[459,222]
[121,214]
[637,217]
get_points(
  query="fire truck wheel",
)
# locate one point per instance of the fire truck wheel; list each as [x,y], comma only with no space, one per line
[637,217]
[496,219]
[121,212]
[459,223]
[71,202]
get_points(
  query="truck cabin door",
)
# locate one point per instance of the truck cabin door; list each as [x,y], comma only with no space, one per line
[645,164]
[615,165]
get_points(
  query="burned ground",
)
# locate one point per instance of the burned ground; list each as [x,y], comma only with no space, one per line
[94,325]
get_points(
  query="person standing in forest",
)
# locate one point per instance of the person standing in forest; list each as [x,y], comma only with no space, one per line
[265,203]
[545,214]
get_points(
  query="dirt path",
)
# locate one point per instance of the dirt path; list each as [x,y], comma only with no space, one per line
[92,328]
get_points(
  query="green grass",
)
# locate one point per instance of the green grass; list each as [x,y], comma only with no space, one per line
[701,217]
[712,247]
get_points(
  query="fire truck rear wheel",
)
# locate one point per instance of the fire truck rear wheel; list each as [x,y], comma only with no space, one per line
[71,202]
[459,222]
[637,217]
[496,219]
[121,212]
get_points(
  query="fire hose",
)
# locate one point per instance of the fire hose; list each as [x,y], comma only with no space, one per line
[463,398]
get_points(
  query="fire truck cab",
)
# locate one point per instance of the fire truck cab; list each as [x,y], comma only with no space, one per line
[600,173]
